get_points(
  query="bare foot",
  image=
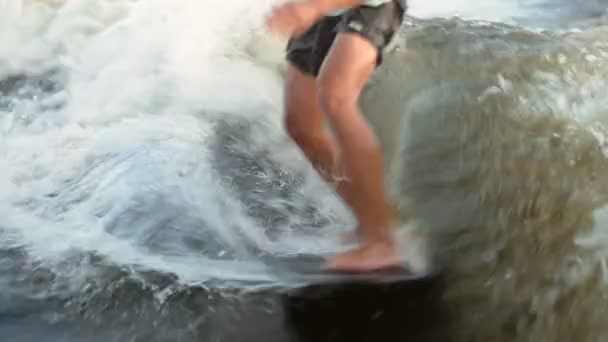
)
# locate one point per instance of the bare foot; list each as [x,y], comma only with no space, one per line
[366,258]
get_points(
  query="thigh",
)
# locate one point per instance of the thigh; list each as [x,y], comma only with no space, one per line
[307,51]
[378,25]
[300,49]
[302,107]
[363,33]
[305,54]
[347,67]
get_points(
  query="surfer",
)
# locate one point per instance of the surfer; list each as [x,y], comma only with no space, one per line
[334,47]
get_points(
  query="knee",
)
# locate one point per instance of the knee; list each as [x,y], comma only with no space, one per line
[336,99]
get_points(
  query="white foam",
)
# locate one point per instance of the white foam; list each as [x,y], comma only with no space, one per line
[492,10]
[143,78]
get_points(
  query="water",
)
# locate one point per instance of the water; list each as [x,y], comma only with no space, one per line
[148,187]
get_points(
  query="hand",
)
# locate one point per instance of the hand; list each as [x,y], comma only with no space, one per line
[293,18]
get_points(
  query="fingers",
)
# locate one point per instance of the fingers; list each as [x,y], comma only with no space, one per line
[282,19]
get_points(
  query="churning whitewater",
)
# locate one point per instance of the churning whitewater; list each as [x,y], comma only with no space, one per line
[111,128]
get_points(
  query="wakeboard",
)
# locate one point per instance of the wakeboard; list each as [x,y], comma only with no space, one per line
[311,270]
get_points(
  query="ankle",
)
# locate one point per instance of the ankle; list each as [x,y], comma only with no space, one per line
[384,239]
[380,228]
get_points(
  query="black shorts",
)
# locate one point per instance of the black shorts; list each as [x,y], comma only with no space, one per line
[376,24]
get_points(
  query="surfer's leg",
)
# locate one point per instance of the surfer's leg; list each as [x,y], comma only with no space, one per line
[304,124]
[304,121]
[303,116]
[350,63]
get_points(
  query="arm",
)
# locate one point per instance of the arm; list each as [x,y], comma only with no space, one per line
[296,16]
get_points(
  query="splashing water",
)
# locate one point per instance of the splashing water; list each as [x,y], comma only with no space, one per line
[113,154]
